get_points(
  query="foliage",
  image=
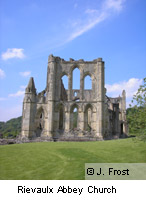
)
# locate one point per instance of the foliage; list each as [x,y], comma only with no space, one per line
[11,128]
[136,114]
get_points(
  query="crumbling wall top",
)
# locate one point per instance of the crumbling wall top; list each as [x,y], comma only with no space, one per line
[52,58]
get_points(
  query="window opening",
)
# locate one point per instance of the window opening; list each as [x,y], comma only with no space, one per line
[76,79]
[87,83]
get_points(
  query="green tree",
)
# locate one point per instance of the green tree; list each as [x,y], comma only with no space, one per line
[11,128]
[136,114]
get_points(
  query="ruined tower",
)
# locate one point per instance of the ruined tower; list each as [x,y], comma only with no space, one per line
[50,113]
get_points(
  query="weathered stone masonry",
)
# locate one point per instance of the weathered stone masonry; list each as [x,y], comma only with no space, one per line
[50,114]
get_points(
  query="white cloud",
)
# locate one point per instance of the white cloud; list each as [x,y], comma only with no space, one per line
[19,93]
[3,99]
[25,74]
[131,86]
[2,74]
[13,53]
[94,17]
[23,86]
[116,5]
[84,28]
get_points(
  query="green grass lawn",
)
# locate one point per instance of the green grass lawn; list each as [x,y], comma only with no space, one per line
[65,160]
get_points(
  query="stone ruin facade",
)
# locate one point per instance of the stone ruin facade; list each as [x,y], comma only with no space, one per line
[50,113]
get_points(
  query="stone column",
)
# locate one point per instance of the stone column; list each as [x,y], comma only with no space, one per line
[116,122]
[100,99]
[94,123]
[81,85]
[70,87]
[51,92]
[81,120]
[124,105]
[29,110]
[67,121]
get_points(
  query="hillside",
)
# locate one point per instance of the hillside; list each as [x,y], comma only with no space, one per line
[10,128]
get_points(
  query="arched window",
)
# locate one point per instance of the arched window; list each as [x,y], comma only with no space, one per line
[76,79]
[87,83]
[74,117]
[75,94]
[88,118]
[40,126]
[65,82]
[40,122]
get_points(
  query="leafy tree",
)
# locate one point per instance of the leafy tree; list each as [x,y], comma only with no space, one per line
[136,114]
[11,128]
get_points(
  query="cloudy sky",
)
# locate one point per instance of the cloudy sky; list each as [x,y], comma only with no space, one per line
[80,29]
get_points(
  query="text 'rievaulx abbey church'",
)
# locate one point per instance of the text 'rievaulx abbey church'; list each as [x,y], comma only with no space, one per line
[73,114]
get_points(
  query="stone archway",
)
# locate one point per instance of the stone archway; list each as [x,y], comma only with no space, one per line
[74,117]
[60,117]
[39,122]
[88,114]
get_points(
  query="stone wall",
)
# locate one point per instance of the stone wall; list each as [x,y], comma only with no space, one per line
[51,112]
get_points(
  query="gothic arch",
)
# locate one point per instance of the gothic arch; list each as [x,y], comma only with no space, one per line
[64,74]
[74,67]
[73,105]
[58,105]
[74,110]
[88,74]
[88,115]
[92,79]
[91,105]
[40,121]
[60,110]
[41,109]
[87,106]
[88,83]
[75,78]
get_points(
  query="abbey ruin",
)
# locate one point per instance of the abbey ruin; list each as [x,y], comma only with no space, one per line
[66,114]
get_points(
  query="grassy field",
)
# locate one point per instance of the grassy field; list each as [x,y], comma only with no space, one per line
[65,160]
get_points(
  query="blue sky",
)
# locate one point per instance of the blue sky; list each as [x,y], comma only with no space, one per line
[80,29]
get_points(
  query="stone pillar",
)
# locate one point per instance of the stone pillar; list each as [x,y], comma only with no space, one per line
[94,122]
[81,85]
[29,110]
[70,87]
[116,120]
[81,120]
[51,92]
[28,117]
[100,98]
[67,121]
[123,105]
